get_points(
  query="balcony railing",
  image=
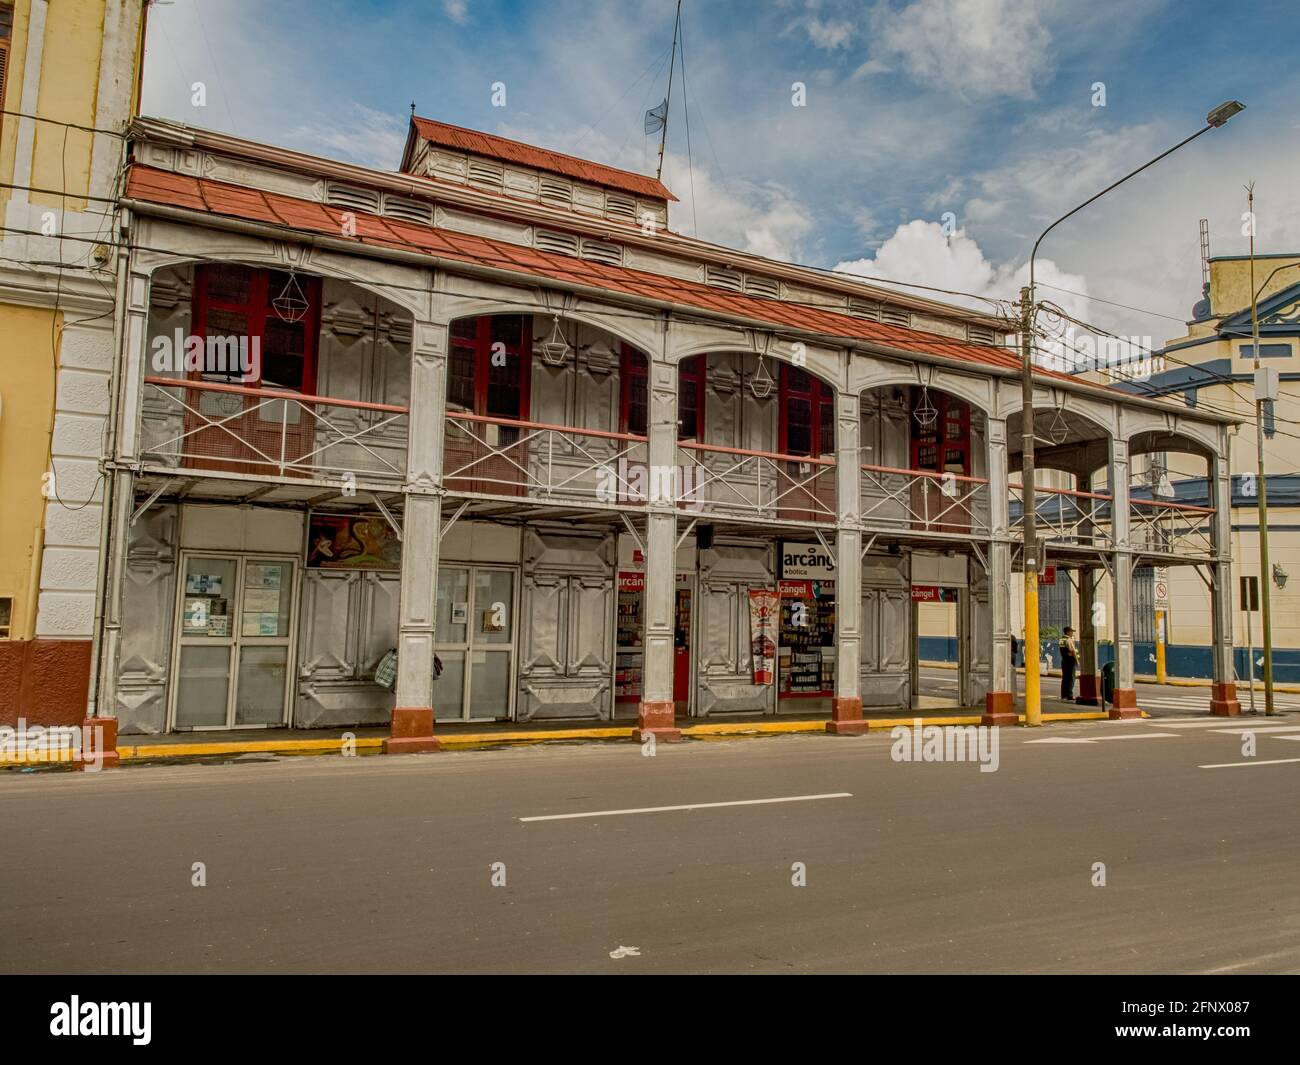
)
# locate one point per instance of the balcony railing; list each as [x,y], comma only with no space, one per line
[1065,515]
[512,457]
[758,484]
[895,499]
[224,428]
[1160,525]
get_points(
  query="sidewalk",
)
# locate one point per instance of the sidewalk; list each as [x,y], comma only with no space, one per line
[474,735]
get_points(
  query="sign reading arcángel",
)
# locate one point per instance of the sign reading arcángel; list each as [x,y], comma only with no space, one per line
[807,562]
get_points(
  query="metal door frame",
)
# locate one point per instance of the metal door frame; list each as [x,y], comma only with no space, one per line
[236,639]
[468,645]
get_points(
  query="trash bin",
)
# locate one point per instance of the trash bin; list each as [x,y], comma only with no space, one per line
[1108,682]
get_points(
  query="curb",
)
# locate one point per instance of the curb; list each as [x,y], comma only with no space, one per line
[467,741]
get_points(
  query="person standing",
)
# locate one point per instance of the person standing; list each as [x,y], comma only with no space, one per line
[1069,663]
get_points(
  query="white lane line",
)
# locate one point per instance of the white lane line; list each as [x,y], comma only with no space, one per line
[692,806]
[1262,728]
[1059,739]
[1231,765]
[1098,739]
[1214,723]
[1293,736]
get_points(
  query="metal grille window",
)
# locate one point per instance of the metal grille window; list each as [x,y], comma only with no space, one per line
[1144,609]
[1055,604]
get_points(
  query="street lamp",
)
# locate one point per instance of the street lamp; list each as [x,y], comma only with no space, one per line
[1033,680]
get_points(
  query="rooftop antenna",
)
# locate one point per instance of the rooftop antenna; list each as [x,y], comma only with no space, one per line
[658,118]
[1205,252]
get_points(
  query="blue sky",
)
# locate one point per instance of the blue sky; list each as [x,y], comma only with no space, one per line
[915,108]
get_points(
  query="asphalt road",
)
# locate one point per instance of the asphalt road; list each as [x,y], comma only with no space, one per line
[335,864]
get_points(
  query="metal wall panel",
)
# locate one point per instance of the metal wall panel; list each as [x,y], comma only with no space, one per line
[148,607]
[886,631]
[349,621]
[566,639]
[978,633]
[724,663]
[162,420]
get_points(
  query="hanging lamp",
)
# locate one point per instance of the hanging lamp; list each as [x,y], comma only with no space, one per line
[555,349]
[291,304]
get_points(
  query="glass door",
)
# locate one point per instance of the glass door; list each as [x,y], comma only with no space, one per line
[234,641]
[475,642]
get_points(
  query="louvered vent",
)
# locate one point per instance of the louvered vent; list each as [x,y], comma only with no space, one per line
[352,198]
[408,210]
[767,287]
[486,174]
[864,309]
[722,277]
[555,192]
[560,243]
[621,208]
[894,316]
[979,334]
[600,251]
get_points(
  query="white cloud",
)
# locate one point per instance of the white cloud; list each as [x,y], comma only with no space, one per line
[920,252]
[359,135]
[829,33]
[979,49]
[457,10]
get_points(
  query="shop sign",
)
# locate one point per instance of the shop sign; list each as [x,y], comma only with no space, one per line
[933,593]
[764,608]
[806,562]
[629,581]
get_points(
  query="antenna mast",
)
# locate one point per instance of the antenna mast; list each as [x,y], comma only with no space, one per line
[672,64]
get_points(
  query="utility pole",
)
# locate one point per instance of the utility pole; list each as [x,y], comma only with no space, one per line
[668,100]
[1029,554]
[1261,477]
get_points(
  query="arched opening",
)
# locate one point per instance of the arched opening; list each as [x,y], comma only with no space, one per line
[926,498]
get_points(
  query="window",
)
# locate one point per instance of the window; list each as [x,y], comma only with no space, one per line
[634,393]
[6,617]
[6,40]
[690,399]
[238,302]
[807,417]
[490,365]
[943,446]
[1266,351]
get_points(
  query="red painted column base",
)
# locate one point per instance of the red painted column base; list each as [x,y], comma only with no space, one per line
[411,731]
[657,719]
[846,716]
[99,738]
[1000,709]
[1223,700]
[1088,690]
[1124,704]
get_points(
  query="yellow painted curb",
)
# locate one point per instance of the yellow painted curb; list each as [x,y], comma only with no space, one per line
[374,744]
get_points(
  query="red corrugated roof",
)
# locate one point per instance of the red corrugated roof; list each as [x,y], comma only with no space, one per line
[476,143]
[215,197]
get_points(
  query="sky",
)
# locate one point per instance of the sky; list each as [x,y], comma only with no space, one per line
[932,142]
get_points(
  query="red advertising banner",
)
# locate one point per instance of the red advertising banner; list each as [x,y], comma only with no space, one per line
[795,589]
[629,581]
[1047,575]
[925,593]
[764,612]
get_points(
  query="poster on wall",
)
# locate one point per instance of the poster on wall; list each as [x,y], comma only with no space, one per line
[350,541]
[764,607]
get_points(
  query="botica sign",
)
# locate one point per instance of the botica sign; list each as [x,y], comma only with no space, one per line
[806,562]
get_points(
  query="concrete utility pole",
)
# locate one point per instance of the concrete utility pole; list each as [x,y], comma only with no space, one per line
[1028,306]
[1033,644]
[1265,390]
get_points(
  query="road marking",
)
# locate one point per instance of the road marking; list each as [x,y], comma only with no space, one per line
[1262,728]
[1060,739]
[1216,723]
[692,806]
[1291,737]
[1230,765]
[1098,739]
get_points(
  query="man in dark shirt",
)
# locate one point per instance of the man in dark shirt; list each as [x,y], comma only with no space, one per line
[1069,663]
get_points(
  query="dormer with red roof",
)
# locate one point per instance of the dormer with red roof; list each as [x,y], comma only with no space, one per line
[496,164]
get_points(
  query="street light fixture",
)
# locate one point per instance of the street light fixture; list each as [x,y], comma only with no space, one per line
[1033,681]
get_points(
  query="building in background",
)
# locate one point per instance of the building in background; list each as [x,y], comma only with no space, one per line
[67,70]
[1211,367]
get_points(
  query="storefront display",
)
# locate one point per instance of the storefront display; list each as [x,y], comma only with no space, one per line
[807,638]
[629,634]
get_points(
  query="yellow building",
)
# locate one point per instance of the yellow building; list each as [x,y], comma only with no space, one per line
[1212,367]
[69,78]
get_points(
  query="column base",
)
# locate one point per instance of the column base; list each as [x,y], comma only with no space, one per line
[657,719]
[1124,705]
[1088,690]
[846,716]
[1223,700]
[1000,709]
[99,738]
[411,731]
